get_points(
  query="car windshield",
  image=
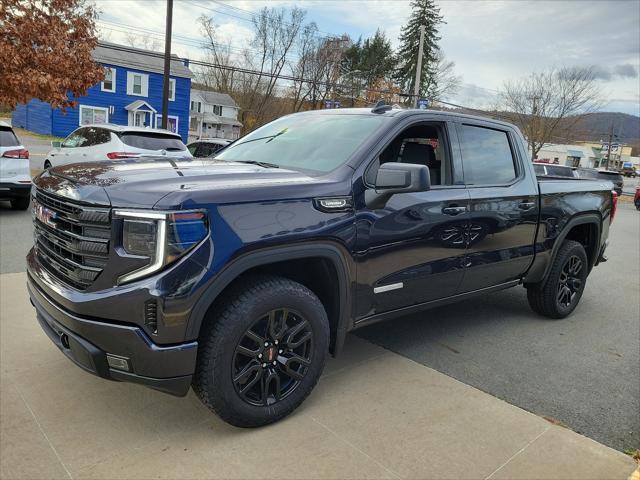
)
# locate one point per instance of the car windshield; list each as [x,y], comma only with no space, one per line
[153,141]
[310,143]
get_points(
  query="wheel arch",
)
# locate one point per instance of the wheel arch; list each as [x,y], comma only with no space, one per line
[292,262]
[585,229]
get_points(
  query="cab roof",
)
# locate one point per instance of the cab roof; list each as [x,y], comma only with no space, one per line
[401,113]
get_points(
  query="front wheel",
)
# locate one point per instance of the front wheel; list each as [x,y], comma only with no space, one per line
[560,293]
[261,351]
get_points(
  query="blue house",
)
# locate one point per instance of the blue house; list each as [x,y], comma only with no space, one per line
[131,94]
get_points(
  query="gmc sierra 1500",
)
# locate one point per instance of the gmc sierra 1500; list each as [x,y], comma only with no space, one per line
[238,274]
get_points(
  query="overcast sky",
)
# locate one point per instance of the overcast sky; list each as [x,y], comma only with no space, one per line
[490,42]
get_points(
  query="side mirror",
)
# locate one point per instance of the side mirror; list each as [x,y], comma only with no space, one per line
[56,144]
[395,178]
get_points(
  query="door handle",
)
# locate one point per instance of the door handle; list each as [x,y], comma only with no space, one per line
[454,210]
[526,205]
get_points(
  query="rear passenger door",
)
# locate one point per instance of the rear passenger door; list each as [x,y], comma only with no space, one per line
[503,213]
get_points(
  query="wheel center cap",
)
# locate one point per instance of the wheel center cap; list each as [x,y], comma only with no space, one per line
[270,354]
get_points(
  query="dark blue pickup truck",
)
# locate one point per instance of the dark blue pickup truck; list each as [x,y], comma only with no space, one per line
[238,274]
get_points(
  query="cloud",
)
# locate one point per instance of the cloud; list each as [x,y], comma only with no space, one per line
[601,73]
[626,70]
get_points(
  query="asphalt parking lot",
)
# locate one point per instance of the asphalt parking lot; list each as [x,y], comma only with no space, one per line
[582,371]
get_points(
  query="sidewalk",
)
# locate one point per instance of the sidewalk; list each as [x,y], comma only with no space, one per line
[374,414]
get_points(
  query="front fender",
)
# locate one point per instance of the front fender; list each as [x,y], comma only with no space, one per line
[335,253]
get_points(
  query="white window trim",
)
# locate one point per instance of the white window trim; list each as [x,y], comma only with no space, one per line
[91,107]
[172,98]
[143,92]
[113,81]
[159,121]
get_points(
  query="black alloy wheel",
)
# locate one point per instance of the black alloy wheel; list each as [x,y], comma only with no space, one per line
[559,294]
[272,357]
[261,350]
[570,281]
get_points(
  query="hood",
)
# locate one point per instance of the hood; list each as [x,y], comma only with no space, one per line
[142,183]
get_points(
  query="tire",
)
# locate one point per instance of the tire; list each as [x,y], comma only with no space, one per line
[20,203]
[47,164]
[234,365]
[560,293]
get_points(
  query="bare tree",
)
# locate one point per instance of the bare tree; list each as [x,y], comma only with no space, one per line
[275,35]
[218,53]
[544,102]
[142,40]
[444,80]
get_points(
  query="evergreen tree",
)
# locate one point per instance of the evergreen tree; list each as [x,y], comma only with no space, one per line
[373,58]
[424,12]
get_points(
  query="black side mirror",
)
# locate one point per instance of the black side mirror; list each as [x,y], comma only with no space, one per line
[395,178]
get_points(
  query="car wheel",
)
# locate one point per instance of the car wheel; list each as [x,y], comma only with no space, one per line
[47,164]
[560,293]
[20,203]
[261,351]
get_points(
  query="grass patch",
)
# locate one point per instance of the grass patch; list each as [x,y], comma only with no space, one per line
[21,132]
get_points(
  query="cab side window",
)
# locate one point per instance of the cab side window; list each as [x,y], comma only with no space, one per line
[487,158]
[422,144]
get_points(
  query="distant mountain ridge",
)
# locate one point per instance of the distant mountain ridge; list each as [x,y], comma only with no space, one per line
[596,126]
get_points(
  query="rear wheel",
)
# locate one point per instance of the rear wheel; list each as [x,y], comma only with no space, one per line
[20,203]
[262,351]
[560,293]
[47,164]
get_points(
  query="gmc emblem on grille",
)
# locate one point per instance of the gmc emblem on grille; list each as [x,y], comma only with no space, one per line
[44,215]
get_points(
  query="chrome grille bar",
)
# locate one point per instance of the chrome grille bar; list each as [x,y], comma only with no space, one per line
[72,242]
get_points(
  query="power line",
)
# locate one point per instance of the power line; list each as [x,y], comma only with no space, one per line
[328,84]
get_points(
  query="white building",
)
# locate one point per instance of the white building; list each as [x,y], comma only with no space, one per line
[213,115]
[570,155]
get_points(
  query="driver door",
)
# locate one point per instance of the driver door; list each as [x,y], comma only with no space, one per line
[412,250]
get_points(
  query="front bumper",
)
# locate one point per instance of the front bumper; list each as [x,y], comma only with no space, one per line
[86,342]
[11,191]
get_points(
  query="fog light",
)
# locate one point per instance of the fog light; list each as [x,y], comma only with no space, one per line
[119,363]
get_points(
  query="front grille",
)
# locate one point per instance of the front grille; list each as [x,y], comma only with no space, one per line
[72,242]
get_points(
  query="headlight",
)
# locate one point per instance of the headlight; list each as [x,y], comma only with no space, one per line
[159,237]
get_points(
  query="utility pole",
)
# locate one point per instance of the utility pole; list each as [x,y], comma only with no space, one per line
[167,65]
[416,88]
[609,148]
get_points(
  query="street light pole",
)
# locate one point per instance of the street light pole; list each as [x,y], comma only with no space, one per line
[416,89]
[167,65]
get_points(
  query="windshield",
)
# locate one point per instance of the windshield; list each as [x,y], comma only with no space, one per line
[313,143]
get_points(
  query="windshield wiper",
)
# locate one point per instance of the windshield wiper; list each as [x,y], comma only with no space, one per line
[268,138]
[255,162]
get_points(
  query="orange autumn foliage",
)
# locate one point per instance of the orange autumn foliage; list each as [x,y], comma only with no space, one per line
[45,51]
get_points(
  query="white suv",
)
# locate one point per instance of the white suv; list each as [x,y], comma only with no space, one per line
[15,180]
[93,143]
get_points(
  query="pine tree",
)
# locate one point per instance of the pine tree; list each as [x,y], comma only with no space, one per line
[424,12]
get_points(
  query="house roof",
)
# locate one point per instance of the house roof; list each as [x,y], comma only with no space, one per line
[215,98]
[133,106]
[138,58]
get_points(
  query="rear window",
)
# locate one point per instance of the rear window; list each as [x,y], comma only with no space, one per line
[559,172]
[8,138]
[611,176]
[486,156]
[152,141]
